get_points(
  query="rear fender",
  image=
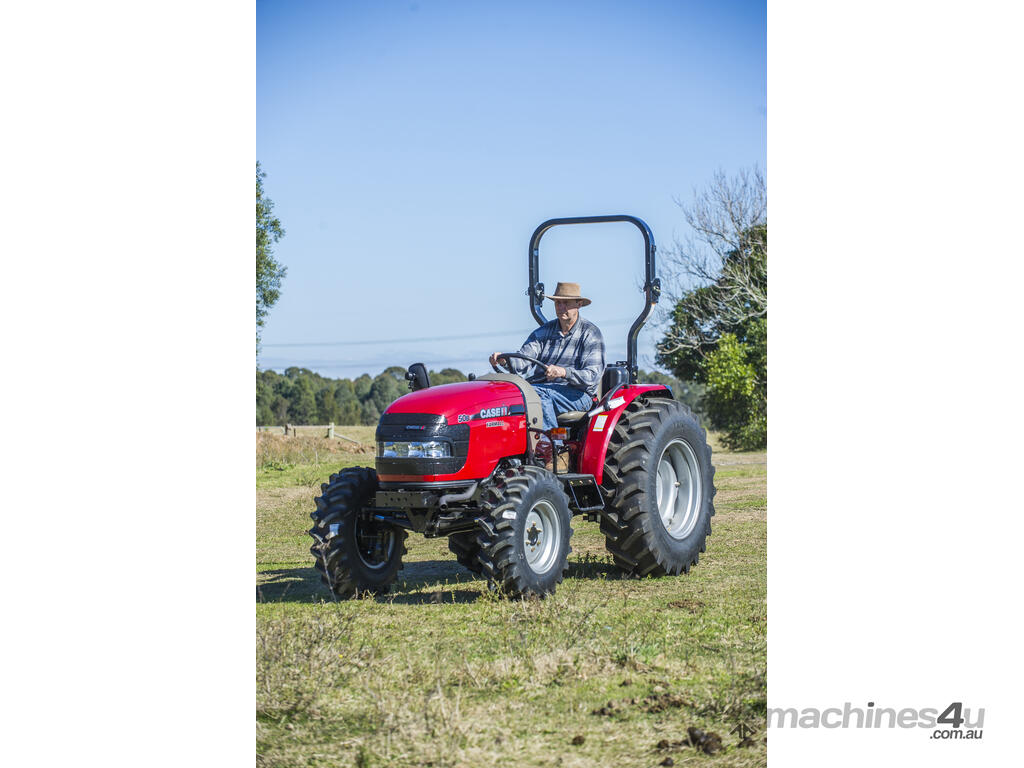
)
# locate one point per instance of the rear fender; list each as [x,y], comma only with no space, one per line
[601,426]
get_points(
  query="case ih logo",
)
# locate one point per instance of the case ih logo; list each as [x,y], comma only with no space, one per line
[486,413]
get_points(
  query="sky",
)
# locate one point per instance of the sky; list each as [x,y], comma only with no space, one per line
[411,148]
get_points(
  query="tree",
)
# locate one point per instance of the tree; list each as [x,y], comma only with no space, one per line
[300,396]
[327,406]
[368,413]
[264,399]
[303,407]
[446,376]
[718,324]
[269,272]
[361,386]
[687,392]
[385,389]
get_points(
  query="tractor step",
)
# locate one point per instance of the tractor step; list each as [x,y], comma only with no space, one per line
[583,492]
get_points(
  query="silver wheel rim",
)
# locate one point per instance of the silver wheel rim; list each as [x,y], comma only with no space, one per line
[541,535]
[679,489]
[384,549]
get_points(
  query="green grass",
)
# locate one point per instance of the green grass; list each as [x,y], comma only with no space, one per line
[442,672]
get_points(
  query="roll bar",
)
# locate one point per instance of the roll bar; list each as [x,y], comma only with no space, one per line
[652,284]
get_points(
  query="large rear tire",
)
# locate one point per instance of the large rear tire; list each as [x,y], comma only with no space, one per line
[659,474]
[524,540]
[354,553]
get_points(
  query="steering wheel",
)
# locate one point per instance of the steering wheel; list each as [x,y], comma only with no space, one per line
[508,369]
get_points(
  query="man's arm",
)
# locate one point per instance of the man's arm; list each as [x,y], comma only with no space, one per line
[592,366]
[531,347]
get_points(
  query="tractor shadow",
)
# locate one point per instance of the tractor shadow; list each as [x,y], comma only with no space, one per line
[419,583]
[303,585]
[591,567]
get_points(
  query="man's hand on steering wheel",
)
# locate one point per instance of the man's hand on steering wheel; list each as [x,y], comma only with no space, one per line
[504,358]
[555,372]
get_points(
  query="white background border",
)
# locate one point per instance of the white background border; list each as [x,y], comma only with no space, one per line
[894,518]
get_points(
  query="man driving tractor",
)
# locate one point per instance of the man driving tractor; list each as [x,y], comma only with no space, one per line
[573,350]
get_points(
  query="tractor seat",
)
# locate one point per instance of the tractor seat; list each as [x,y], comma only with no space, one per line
[569,418]
[613,376]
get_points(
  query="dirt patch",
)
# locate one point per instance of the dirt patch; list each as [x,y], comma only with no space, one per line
[654,703]
[705,741]
[692,605]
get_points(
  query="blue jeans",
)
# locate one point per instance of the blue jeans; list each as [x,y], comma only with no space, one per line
[559,398]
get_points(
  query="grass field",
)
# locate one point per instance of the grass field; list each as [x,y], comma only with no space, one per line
[441,672]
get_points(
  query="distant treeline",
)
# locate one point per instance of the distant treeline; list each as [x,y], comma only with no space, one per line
[300,396]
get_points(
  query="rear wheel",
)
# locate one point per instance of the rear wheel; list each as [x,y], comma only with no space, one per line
[524,543]
[661,480]
[353,552]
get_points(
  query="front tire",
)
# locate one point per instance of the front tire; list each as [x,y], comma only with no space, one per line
[524,543]
[354,553]
[659,475]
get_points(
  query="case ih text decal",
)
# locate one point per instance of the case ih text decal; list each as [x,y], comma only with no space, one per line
[490,413]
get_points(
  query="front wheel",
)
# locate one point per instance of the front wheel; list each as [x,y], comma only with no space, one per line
[354,553]
[661,480]
[524,543]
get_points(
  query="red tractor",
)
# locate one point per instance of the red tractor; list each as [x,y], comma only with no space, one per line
[460,460]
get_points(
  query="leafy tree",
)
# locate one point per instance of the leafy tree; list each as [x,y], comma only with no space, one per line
[269,272]
[446,376]
[303,408]
[351,413]
[369,413]
[362,386]
[264,400]
[718,324]
[688,392]
[327,407]
[344,390]
[734,401]
[300,396]
[279,407]
[386,389]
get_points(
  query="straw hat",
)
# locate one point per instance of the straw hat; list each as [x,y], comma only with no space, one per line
[568,292]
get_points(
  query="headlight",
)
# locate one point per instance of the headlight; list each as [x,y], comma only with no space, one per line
[430,449]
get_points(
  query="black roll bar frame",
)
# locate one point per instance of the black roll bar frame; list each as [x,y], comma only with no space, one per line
[652,284]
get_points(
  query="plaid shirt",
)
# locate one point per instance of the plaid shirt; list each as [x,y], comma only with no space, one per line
[580,352]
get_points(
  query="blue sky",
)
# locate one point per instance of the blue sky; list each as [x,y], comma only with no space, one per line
[411,148]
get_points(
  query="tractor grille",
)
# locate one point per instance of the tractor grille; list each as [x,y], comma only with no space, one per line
[420,427]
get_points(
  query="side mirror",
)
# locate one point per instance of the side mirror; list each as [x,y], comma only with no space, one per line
[417,376]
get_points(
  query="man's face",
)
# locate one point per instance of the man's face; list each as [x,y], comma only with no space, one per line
[567,310]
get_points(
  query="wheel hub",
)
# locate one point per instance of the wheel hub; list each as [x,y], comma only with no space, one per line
[678,489]
[541,534]
[533,535]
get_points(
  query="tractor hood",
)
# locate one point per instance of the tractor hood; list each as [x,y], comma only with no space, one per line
[464,402]
[479,421]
